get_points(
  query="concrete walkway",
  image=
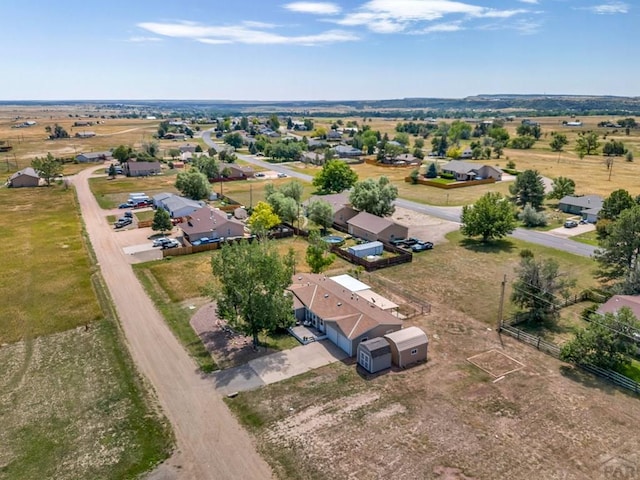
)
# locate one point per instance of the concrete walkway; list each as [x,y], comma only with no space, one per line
[277,367]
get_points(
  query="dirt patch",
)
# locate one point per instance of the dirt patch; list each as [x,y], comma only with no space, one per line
[425,227]
[228,347]
[495,363]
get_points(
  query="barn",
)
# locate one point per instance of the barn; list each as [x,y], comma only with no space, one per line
[374,355]
[408,346]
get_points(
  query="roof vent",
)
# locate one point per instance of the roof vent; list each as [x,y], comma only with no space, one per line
[326,295]
[339,304]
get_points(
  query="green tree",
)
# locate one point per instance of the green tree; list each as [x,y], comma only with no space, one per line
[292,189]
[244,123]
[161,221]
[432,171]
[491,217]
[498,149]
[390,152]
[536,286]
[286,208]
[530,217]
[47,167]
[369,141]
[414,176]
[617,202]
[607,342]
[402,138]
[174,153]
[193,184]
[262,219]
[375,197]
[208,166]
[318,256]
[122,153]
[56,132]
[614,148]
[253,280]
[233,139]
[562,186]
[320,212]
[151,149]
[335,176]
[198,149]
[528,188]
[587,143]
[459,130]
[558,141]
[499,134]
[419,143]
[273,122]
[112,171]
[619,252]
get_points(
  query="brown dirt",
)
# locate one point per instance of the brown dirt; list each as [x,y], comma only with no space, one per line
[425,227]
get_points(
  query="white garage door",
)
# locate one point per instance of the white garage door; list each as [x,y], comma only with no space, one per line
[332,334]
[344,343]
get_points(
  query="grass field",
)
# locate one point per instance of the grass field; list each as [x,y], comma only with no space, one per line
[71,403]
[110,193]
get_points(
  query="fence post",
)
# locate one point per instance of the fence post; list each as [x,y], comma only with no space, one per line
[538,346]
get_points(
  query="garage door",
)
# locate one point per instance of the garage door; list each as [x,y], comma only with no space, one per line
[332,334]
[344,343]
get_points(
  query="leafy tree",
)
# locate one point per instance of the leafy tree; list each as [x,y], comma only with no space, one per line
[122,153]
[369,141]
[629,156]
[528,188]
[193,184]
[529,130]
[57,132]
[233,139]
[252,148]
[209,166]
[375,197]
[522,142]
[530,217]
[432,171]
[253,280]
[273,122]
[174,153]
[292,189]
[244,123]
[198,149]
[558,141]
[613,148]
[418,143]
[112,171]
[498,149]
[454,152]
[47,167]
[161,221]
[536,287]
[318,256]
[390,152]
[491,217]
[335,176]
[511,165]
[320,212]
[440,145]
[587,143]
[262,219]
[562,186]
[459,130]
[286,208]
[607,342]
[414,176]
[402,138]
[619,253]
[618,201]
[151,148]
[499,134]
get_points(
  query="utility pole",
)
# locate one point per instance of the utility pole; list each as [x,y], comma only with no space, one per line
[501,306]
[610,169]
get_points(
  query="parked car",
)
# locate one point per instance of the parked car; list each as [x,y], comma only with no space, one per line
[282,175]
[422,246]
[159,242]
[570,224]
[409,242]
[259,175]
[123,222]
[398,242]
[173,243]
[125,205]
[128,214]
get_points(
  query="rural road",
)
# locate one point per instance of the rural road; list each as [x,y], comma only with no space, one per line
[210,442]
[451,214]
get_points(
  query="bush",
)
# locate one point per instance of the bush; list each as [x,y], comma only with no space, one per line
[448,176]
[510,171]
[590,310]
[414,175]
[532,218]
[511,165]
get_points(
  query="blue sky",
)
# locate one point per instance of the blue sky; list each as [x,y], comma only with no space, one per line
[280,50]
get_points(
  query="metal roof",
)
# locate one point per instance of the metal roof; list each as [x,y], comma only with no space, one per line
[350,283]
[407,338]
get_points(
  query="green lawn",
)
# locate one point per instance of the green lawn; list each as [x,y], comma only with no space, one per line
[110,193]
[590,238]
[72,404]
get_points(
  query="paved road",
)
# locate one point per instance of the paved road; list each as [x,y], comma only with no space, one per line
[451,214]
[210,442]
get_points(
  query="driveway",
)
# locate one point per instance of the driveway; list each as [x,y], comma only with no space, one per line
[572,232]
[210,443]
[277,367]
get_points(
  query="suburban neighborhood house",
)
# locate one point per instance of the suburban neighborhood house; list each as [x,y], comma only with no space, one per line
[141,169]
[347,151]
[371,227]
[342,210]
[94,157]
[235,171]
[587,206]
[616,302]
[346,317]
[210,223]
[176,205]
[26,177]
[464,171]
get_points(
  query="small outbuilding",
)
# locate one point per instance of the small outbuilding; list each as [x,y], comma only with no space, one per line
[374,355]
[408,346]
[366,249]
[27,177]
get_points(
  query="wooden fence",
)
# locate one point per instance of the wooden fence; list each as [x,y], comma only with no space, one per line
[449,186]
[371,265]
[373,161]
[554,350]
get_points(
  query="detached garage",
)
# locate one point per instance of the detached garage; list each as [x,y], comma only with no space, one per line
[408,346]
[374,355]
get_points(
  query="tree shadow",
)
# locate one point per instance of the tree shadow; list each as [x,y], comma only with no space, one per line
[494,246]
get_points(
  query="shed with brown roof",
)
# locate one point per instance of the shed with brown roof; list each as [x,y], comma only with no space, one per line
[408,346]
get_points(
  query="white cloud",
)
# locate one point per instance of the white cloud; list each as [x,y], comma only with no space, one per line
[443,27]
[531,2]
[216,35]
[315,8]
[610,8]
[144,39]
[392,16]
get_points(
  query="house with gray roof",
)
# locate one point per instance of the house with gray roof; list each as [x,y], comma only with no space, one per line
[141,169]
[94,157]
[346,151]
[340,206]
[176,205]
[26,177]
[587,206]
[371,227]
[463,171]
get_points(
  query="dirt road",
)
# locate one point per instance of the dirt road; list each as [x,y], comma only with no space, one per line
[210,442]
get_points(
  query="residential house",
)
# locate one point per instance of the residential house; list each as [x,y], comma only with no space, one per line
[587,206]
[176,205]
[237,172]
[406,159]
[464,171]
[371,227]
[374,355]
[94,157]
[210,223]
[315,158]
[342,209]
[314,143]
[85,134]
[345,317]
[616,302]
[187,147]
[26,177]
[141,169]
[347,151]
[334,135]
[466,153]
[408,346]
[174,136]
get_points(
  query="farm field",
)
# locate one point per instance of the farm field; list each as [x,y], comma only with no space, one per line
[71,403]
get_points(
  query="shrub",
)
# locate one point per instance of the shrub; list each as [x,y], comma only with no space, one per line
[414,175]
[588,311]
[531,217]
[511,165]
[448,176]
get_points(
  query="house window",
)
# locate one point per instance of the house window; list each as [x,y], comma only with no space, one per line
[364,360]
[321,322]
[414,351]
[364,339]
